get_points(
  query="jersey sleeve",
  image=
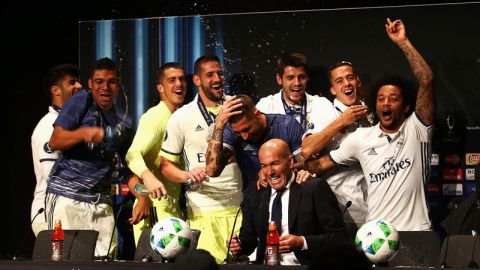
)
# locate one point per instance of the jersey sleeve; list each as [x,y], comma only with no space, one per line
[229,137]
[262,105]
[422,132]
[346,153]
[321,116]
[295,132]
[74,110]
[174,139]
[150,130]
[43,159]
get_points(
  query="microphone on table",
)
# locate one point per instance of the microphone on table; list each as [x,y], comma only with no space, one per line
[107,257]
[26,233]
[472,263]
[233,230]
[347,205]
[443,263]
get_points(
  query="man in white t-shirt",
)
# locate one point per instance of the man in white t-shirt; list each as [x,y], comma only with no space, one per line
[61,83]
[212,205]
[292,99]
[331,123]
[395,153]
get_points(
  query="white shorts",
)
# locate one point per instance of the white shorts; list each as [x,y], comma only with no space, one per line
[76,215]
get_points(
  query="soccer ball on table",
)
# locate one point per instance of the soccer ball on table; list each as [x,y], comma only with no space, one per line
[170,237]
[378,239]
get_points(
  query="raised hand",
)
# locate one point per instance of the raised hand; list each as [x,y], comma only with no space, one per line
[396,31]
[229,109]
[353,114]
[262,181]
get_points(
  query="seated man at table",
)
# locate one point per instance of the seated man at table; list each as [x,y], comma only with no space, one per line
[310,216]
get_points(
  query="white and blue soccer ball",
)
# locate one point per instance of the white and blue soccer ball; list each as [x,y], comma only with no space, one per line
[170,237]
[378,239]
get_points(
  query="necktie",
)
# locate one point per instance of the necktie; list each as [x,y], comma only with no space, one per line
[277,210]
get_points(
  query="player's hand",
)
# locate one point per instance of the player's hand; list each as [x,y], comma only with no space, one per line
[262,181]
[396,31]
[156,189]
[234,243]
[353,114]
[93,134]
[302,176]
[290,242]
[141,210]
[229,109]
[197,175]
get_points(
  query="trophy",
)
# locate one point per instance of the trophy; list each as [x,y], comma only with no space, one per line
[451,135]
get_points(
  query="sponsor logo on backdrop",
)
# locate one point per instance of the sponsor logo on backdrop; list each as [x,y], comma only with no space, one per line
[470,174]
[472,158]
[435,160]
[469,187]
[452,159]
[452,174]
[452,189]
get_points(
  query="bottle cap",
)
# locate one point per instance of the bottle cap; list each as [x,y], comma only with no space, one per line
[272,226]
[58,223]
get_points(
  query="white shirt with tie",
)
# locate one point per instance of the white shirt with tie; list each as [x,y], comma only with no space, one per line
[286,258]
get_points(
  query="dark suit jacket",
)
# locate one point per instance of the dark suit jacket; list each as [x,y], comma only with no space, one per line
[313,213]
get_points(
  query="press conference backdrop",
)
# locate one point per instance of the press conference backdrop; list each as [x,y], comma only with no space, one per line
[248,45]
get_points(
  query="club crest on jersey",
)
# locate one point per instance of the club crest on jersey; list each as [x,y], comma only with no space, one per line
[310,126]
[399,142]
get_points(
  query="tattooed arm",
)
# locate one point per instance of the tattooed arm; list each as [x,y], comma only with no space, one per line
[217,155]
[315,166]
[425,103]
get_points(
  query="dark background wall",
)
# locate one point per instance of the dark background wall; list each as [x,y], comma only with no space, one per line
[37,36]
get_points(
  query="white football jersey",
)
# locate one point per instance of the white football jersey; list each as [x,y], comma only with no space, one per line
[186,137]
[395,167]
[273,104]
[347,182]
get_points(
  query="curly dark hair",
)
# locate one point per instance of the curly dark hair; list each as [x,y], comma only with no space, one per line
[406,86]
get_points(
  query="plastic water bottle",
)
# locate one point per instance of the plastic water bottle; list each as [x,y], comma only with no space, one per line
[57,241]
[272,252]
[140,189]
[190,185]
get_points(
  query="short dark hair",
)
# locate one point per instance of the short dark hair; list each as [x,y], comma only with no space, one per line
[247,109]
[407,89]
[57,73]
[104,63]
[161,70]
[202,59]
[291,60]
[337,65]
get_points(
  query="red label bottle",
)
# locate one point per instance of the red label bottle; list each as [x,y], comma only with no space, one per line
[57,241]
[272,253]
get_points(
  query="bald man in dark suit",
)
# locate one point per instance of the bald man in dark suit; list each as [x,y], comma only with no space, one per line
[310,214]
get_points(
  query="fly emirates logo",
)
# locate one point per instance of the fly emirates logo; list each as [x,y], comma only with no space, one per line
[390,169]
